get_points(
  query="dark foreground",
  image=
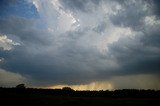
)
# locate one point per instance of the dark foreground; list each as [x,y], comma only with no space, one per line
[58,97]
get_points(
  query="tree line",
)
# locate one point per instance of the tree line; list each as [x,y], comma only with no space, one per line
[67,91]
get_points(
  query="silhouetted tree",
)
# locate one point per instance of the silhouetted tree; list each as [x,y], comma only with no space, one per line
[67,89]
[20,86]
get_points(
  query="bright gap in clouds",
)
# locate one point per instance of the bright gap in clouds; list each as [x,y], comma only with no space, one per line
[143,81]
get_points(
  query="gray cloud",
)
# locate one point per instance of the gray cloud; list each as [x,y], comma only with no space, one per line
[80,5]
[10,79]
[155,5]
[131,14]
[99,40]
[139,81]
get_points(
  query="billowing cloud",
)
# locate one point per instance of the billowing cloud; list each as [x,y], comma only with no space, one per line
[5,43]
[70,42]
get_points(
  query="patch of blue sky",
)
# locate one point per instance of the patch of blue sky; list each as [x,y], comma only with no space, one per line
[20,8]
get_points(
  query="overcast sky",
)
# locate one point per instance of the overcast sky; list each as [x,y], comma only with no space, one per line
[85,44]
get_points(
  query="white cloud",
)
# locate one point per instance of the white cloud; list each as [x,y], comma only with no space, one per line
[7,43]
[1,60]
[151,20]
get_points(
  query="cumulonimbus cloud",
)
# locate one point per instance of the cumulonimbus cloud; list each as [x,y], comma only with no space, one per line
[82,41]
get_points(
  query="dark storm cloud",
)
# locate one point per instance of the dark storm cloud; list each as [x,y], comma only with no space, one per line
[137,58]
[132,15]
[45,67]
[139,54]
[134,12]
[156,6]
[30,58]
[73,57]
[24,29]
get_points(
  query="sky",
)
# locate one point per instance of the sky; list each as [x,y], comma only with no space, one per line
[83,44]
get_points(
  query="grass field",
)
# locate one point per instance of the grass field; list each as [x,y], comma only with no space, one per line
[61,98]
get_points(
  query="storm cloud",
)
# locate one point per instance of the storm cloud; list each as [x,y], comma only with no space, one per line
[80,41]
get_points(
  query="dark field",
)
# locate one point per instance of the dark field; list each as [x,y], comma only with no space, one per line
[58,97]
